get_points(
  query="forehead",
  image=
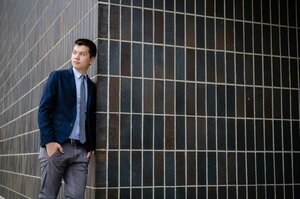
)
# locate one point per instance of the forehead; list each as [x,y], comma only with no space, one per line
[81,48]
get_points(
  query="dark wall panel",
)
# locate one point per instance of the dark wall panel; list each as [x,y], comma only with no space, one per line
[210,91]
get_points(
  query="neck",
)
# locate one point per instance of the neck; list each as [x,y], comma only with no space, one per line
[81,71]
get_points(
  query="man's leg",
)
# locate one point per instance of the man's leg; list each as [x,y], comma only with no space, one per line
[52,169]
[76,174]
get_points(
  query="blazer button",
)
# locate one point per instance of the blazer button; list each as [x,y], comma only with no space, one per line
[71,125]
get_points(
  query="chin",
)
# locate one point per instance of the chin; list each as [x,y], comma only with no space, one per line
[76,65]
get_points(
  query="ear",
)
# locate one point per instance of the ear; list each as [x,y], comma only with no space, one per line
[92,60]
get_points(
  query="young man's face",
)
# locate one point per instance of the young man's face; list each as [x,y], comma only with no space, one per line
[81,59]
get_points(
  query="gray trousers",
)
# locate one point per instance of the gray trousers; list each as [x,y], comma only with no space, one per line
[71,166]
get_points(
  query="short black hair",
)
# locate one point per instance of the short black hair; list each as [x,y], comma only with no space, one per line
[88,43]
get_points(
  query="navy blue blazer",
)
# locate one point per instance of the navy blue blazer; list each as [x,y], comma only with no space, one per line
[57,110]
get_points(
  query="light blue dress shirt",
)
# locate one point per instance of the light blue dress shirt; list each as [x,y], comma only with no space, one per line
[75,132]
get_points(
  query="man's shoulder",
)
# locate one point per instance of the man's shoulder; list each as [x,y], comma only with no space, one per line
[91,82]
[61,72]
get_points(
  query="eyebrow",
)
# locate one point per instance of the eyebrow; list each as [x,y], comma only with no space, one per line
[80,51]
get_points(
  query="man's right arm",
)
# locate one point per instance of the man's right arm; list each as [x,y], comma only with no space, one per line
[46,110]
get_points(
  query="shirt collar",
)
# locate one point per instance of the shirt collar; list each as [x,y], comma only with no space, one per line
[76,73]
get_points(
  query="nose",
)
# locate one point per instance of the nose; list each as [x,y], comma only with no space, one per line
[76,56]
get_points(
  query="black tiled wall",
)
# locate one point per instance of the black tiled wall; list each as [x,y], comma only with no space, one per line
[198,99]
[36,38]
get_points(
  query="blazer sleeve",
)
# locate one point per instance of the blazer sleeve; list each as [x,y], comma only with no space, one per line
[46,110]
[91,119]
[93,122]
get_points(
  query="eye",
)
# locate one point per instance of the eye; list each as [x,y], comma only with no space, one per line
[82,54]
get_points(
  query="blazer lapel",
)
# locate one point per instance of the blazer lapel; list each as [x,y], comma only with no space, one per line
[71,80]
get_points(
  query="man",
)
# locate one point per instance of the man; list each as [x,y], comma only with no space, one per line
[66,119]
